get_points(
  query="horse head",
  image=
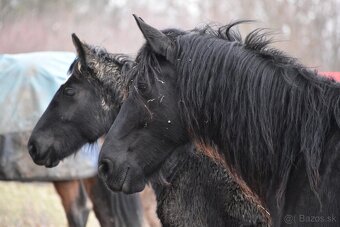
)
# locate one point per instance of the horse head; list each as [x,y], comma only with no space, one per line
[83,108]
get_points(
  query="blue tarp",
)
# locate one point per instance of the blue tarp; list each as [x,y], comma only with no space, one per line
[27,84]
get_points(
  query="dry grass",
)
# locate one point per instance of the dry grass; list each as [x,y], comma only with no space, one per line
[32,205]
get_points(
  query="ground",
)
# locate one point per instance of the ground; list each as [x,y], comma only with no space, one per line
[32,205]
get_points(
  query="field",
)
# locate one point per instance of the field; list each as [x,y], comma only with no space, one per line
[32,205]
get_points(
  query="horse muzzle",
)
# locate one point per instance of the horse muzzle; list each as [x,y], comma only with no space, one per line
[41,156]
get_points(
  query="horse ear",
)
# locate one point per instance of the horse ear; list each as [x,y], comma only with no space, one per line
[80,49]
[158,41]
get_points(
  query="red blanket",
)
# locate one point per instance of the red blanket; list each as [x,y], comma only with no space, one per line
[335,75]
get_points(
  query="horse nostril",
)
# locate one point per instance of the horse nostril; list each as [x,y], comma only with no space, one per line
[32,149]
[105,168]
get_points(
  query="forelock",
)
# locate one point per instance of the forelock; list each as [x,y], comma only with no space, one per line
[104,67]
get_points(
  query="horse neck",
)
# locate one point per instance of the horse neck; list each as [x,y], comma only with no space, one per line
[259,143]
[170,170]
[195,174]
[261,120]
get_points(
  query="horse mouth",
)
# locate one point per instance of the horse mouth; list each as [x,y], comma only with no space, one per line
[128,180]
[121,186]
[51,164]
[47,162]
[124,185]
[42,157]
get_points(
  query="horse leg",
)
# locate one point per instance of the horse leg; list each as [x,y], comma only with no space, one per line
[113,209]
[74,200]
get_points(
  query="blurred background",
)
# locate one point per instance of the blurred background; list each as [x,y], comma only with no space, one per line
[306,29]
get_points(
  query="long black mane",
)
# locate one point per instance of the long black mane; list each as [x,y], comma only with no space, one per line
[263,110]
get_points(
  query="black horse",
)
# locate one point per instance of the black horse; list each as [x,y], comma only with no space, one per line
[274,122]
[191,189]
[66,126]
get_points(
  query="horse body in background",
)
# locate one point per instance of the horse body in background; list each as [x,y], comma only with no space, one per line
[87,105]
[272,121]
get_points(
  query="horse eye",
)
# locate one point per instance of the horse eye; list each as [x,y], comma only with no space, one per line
[69,91]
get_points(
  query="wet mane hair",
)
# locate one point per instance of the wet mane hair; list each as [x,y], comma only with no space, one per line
[107,69]
[263,110]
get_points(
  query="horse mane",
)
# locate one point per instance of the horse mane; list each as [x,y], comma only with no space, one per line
[105,68]
[253,101]
[262,109]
